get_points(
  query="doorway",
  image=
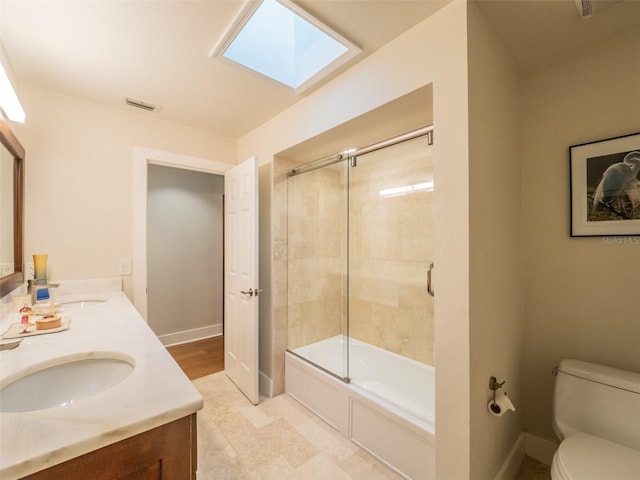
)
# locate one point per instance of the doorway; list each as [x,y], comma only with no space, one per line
[184,253]
[142,159]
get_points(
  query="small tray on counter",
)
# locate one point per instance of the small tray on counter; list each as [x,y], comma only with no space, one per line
[16,329]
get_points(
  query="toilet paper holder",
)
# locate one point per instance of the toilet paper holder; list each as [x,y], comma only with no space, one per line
[494,385]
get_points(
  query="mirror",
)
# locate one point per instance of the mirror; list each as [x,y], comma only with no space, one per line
[11,210]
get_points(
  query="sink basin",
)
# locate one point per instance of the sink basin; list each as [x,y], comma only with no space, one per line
[66,381]
[81,303]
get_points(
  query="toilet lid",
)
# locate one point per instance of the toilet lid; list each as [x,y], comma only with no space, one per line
[584,457]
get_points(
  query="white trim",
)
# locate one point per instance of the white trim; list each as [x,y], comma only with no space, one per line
[513,461]
[141,158]
[265,385]
[530,445]
[192,335]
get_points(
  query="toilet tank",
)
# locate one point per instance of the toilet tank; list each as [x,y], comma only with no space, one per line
[598,400]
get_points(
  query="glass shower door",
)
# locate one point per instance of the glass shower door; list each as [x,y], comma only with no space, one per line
[317,267]
[390,249]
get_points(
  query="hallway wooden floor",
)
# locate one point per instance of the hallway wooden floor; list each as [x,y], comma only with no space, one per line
[200,358]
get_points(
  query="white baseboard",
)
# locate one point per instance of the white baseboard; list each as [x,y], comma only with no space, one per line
[540,449]
[530,445]
[265,385]
[185,336]
[513,461]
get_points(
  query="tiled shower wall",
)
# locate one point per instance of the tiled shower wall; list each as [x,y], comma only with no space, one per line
[316,255]
[390,248]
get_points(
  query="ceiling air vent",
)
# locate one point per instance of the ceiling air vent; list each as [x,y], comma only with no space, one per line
[149,107]
[587,8]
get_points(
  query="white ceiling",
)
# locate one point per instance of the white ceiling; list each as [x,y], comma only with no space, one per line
[538,32]
[157,51]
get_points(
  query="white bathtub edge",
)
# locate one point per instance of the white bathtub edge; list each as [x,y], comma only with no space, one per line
[320,393]
[363,419]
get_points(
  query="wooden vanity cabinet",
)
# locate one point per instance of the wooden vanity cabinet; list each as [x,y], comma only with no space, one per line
[168,452]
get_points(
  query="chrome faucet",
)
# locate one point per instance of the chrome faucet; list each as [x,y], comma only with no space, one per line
[33,287]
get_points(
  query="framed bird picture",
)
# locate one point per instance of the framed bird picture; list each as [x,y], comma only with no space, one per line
[605,187]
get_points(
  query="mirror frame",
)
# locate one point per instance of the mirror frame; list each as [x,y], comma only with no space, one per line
[11,143]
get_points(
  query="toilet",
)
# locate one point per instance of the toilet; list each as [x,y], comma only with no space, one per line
[596,415]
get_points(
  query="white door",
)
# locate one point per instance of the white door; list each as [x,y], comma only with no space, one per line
[241,278]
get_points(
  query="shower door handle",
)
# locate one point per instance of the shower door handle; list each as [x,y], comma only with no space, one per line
[429,286]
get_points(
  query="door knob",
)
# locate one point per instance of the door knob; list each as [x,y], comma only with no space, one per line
[251,292]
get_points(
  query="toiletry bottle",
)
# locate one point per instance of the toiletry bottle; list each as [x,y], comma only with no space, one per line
[24,311]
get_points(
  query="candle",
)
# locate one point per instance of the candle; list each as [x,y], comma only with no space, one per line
[40,266]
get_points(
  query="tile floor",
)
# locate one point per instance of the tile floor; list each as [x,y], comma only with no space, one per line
[280,439]
[533,470]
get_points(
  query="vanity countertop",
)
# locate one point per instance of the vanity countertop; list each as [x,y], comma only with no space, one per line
[155,393]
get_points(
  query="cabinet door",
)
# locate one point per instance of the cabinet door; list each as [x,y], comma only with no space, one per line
[152,472]
[163,453]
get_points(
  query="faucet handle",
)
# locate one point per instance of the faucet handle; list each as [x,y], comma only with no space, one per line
[34,288]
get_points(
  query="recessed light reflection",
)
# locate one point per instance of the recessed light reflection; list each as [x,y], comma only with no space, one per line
[348,151]
[428,186]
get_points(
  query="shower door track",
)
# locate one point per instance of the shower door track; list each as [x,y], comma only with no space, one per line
[320,367]
[352,154]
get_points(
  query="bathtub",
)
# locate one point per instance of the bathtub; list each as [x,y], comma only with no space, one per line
[387,408]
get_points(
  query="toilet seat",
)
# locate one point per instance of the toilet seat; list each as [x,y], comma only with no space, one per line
[585,457]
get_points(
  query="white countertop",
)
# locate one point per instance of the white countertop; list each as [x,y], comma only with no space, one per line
[155,393]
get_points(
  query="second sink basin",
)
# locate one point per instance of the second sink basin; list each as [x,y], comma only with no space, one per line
[82,302]
[64,381]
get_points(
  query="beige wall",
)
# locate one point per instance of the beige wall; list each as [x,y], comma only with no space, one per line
[78,178]
[275,321]
[581,293]
[495,262]
[406,64]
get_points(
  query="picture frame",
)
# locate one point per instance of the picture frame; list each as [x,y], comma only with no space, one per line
[605,187]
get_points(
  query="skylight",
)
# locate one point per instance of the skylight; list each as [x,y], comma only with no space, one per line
[279,40]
